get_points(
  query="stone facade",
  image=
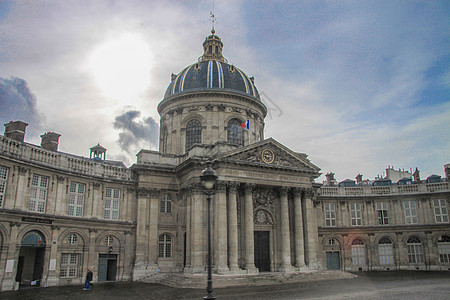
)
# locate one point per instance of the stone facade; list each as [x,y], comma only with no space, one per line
[61,214]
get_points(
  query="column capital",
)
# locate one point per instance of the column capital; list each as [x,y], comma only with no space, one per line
[232,185]
[221,186]
[284,191]
[195,189]
[249,187]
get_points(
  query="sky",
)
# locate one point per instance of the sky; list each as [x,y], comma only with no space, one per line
[356,85]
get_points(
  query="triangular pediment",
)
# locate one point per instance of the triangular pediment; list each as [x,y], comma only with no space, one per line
[270,153]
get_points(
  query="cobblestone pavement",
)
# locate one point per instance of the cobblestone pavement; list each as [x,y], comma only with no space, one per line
[409,285]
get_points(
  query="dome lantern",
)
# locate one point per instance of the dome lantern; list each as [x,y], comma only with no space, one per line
[212,48]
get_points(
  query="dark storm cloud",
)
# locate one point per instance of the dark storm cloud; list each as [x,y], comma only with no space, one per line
[17,102]
[135,131]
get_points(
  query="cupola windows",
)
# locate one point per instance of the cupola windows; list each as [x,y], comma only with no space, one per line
[235,134]
[193,133]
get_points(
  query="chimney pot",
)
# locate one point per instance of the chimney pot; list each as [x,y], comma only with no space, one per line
[50,141]
[15,130]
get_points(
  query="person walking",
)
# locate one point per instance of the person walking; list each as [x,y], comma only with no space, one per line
[87,284]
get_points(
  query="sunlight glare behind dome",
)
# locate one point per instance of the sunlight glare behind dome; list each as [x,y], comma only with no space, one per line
[121,67]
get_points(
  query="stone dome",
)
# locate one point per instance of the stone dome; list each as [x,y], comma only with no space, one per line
[212,73]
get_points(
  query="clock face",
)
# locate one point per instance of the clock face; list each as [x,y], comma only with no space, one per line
[267,156]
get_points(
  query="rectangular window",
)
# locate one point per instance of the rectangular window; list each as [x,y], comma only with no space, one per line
[386,254]
[76,199]
[112,197]
[355,214]
[410,211]
[444,252]
[382,211]
[38,196]
[440,211]
[3,179]
[69,265]
[358,255]
[415,253]
[330,214]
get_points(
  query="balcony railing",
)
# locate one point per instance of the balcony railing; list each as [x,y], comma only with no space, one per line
[420,188]
[62,161]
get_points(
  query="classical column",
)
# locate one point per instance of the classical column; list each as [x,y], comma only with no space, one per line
[298,223]
[249,232]
[285,232]
[141,260]
[312,243]
[232,228]
[196,233]
[220,228]
[92,256]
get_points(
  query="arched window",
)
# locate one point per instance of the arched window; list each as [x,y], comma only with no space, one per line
[235,133]
[166,204]
[444,249]
[193,133]
[72,239]
[165,245]
[415,250]
[163,140]
[358,252]
[385,251]
[332,241]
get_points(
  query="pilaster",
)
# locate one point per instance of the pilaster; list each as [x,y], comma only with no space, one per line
[220,228]
[286,265]
[298,223]
[311,233]
[232,227]
[249,232]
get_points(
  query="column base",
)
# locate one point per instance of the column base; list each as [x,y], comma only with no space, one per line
[10,284]
[251,270]
[51,280]
[286,269]
[221,270]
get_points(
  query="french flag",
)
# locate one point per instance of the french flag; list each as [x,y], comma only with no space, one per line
[246,125]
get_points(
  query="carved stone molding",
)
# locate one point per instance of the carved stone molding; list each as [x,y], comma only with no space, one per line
[60,179]
[264,197]
[92,230]
[96,185]
[196,189]
[221,187]
[232,186]
[262,217]
[21,170]
[221,107]
[209,107]
[283,191]
[14,224]
[55,227]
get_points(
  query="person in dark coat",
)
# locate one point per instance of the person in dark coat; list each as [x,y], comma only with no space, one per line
[87,284]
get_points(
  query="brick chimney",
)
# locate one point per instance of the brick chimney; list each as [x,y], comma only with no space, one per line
[15,130]
[50,141]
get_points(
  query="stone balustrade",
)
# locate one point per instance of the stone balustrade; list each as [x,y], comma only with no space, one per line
[62,161]
[421,188]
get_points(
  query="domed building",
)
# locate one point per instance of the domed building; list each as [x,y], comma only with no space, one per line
[61,214]
[212,111]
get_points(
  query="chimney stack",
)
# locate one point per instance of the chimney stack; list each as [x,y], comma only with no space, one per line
[15,130]
[50,141]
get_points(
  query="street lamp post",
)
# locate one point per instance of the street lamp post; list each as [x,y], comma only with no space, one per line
[208,179]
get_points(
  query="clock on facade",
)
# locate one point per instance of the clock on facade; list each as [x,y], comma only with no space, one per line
[267,156]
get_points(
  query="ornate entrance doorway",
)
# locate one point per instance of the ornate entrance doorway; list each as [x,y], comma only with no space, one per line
[31,259]
[262,250]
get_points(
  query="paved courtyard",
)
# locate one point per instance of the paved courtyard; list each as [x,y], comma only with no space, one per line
[368,285]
